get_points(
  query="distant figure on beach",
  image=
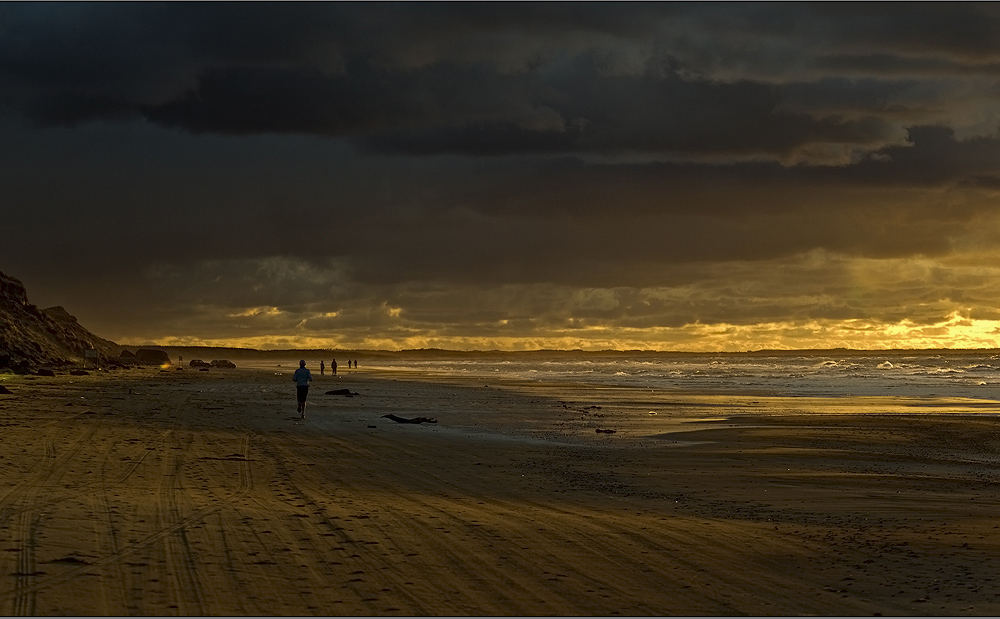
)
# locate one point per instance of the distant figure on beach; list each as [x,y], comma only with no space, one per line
[322,366]
[355,364]
[302,378]
[333,366]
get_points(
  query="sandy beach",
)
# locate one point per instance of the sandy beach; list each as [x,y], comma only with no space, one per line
[178,492]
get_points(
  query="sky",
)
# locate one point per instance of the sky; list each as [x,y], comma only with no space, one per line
[691,177]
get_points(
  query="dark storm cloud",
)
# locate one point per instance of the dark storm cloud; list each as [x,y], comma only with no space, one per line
[891,65]
[455,221]
[779,41]
[964,31]
[473,79]
[481,111]
[652,113]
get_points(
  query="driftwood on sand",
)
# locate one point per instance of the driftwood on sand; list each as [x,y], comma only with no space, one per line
[346,392]
[398,419]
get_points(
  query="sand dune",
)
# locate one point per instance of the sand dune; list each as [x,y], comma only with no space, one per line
[187,493]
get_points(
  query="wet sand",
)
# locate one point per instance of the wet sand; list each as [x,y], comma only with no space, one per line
[172,492]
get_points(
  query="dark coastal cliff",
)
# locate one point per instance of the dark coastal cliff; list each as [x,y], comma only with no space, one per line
[31,338]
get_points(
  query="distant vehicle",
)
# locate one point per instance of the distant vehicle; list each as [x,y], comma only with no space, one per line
[198,363]
[222,363]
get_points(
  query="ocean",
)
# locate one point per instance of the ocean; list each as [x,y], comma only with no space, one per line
[963,374]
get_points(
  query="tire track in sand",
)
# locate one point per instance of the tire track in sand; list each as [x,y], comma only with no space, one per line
[288,551]
[164,531]
[188,596]
[500,551]
[107,534]
[130,596]
[11,501]
[135,463]
[427,505]
[22,501]
[24,595]
[473,587]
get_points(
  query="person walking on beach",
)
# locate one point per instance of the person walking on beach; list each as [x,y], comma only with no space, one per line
[333,366]
[322,366]
[302,378]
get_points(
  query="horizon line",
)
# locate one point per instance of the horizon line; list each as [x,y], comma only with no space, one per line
[573,350]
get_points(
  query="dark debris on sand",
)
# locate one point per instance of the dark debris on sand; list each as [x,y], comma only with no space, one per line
[346,392]
[398,419]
